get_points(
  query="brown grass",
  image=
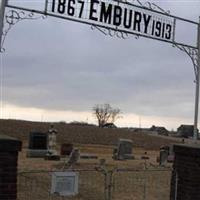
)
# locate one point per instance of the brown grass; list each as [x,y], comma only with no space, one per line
[127,185]
[82,134]
[35,180]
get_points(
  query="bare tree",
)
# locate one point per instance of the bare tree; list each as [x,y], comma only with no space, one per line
[105,114]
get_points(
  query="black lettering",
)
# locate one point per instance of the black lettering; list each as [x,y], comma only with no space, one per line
[158,29]
[153,27]
[169,31]
[137,21]
[163,30]
[117,17]
[81,9]
[53,6]
[93,10]
[61,6]
[106,13]
[70,8]
[127,18]
[146,22]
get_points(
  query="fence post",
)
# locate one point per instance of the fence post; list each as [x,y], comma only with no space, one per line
[9,148]
[144,195]
[110,184]
[105,184]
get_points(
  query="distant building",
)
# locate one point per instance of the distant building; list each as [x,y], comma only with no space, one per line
[185,131]
[77,123]
[109,125]
[160,130]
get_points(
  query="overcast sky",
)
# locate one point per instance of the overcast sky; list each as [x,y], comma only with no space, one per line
[57,70]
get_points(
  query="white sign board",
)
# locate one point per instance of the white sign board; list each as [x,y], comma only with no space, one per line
[116,15]
[64,183]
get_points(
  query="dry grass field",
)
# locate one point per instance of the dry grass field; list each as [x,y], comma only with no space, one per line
[78,134]
[136,179]
[102,151]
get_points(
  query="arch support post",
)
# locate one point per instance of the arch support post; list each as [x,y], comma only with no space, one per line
[197,76]
[3,4]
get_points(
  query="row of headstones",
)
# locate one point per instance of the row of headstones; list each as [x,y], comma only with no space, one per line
[186,169]
[185,177]
[44,144]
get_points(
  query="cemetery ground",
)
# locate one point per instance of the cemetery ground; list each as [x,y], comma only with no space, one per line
[81,134]
[137,179]
[102,151]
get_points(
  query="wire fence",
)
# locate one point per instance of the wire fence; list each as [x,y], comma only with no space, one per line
[100,184]
[37,185]
[141,185]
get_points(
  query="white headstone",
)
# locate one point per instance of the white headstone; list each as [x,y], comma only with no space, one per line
[64,183]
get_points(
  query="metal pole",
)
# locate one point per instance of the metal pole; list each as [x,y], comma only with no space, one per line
[2,11]
[195,136]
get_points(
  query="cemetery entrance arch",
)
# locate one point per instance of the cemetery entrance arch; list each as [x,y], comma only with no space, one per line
[115,18]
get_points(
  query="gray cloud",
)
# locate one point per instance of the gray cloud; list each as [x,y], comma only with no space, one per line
[61,65]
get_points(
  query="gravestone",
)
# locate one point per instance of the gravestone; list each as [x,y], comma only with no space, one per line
[66,149]
[74,157]
[171,155]
[64,183]
[163,157]
[123,150]
[186,172]
[37,145]
[164,153]
[9,148]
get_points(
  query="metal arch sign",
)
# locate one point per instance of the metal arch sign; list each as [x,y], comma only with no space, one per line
[116,15]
